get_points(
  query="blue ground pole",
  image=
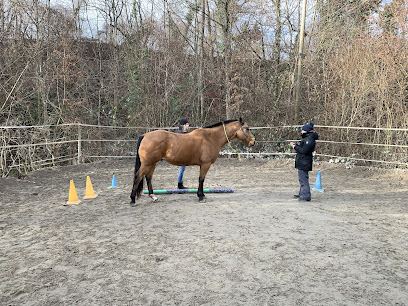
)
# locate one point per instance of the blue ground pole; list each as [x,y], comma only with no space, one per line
[169,191]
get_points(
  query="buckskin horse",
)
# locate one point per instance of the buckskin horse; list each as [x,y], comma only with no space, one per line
[201,147]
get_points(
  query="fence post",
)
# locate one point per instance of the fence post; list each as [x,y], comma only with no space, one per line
[79,143]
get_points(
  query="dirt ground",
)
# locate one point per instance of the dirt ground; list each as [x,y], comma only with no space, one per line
[256,246]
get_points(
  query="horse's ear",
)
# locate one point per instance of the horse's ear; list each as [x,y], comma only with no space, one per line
[241,121]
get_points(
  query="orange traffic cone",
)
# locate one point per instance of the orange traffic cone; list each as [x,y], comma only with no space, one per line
[89,192]
[73,196]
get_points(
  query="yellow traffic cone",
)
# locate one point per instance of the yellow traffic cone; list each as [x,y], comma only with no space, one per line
[89,192]
[73,196]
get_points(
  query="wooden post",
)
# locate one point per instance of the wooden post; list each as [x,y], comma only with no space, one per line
[79,144]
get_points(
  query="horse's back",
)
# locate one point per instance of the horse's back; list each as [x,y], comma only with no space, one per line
[178,149]
[160,137]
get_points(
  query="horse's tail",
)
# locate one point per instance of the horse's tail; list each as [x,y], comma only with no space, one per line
[138,163]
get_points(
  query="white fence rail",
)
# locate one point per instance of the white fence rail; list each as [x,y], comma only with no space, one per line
[26,148]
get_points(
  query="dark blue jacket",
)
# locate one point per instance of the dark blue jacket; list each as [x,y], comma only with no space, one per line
[181,130]
[304,156]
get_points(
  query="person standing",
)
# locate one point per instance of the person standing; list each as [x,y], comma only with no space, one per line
[183,129]
[304,159]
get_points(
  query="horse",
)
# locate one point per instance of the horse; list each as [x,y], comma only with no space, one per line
[200,147]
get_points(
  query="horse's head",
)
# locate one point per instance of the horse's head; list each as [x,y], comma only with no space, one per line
[244,134]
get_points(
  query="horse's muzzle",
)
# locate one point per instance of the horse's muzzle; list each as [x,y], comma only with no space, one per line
[251,143]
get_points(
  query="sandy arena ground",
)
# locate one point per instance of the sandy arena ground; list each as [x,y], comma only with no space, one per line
[256,246]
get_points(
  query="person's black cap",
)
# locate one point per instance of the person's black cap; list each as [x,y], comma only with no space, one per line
[183,121]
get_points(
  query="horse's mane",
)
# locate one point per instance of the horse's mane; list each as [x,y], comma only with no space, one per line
[220,123]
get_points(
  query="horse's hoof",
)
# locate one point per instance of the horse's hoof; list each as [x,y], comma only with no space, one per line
[202,200]
[155,199]
[133,204]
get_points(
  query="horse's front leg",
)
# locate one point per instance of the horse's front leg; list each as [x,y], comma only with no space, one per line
[203,172]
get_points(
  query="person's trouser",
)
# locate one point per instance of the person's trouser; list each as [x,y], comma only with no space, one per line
[304,191]
[181,173]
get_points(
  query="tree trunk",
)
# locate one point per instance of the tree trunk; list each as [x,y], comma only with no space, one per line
[227,57]
[201,63]
[277,53]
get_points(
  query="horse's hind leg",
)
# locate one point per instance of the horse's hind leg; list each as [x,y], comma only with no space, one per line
[149,177]
[137,181]
[138,184]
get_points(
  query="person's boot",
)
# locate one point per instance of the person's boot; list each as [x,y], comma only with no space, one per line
[180,186]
